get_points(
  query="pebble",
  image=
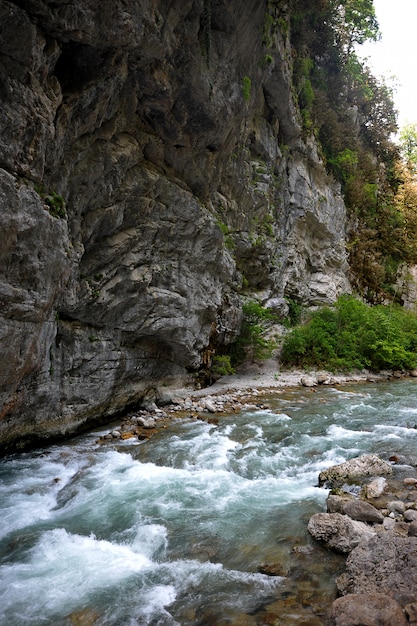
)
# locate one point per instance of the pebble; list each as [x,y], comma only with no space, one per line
[396,506]
[410,515]
[410,481]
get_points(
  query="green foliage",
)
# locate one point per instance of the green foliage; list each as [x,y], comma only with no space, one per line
[55,202]
[246,88]
[223,227]
[252,343]
[408,145]
[221,365]
[353,335]
[295,311]
[352,115]
[344,164]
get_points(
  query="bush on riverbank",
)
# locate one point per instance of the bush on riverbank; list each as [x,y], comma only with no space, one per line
[353,335]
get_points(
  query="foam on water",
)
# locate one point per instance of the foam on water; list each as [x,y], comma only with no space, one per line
[156,532]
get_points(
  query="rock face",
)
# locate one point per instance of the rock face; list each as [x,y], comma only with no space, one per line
[152,161]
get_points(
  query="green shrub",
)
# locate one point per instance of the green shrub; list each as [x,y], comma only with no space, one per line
[353,335]
[246,88]
[54,202]
[221,365]
[252,343]
[295,311]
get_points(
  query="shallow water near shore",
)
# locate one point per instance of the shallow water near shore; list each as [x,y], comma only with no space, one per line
[180,529]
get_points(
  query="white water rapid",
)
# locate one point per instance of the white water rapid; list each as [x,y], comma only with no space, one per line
[175,530]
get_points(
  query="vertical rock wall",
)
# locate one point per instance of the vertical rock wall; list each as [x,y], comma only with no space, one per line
[152,162]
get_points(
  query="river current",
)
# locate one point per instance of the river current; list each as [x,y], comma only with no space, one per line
[180,529]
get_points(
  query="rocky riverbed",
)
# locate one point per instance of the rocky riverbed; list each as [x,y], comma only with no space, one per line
[234,393]
[371,508]
[372,517]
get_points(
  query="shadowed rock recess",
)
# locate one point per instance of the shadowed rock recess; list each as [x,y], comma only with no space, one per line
[152,162]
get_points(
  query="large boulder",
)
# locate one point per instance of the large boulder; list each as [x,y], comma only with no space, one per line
[356,509]
[354,469]
[362,511]
[338,532]
[385,564]
[366,610]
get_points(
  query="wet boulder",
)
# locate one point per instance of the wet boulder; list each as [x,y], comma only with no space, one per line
[385,564]
[362,511]
[355,469]
[338,532]
[366,610]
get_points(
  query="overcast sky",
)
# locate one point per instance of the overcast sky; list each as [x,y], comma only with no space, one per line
[395,54]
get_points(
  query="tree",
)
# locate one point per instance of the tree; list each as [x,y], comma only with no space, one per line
[408,146]
[355,23]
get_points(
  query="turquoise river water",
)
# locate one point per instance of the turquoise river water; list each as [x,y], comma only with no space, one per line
[178,529]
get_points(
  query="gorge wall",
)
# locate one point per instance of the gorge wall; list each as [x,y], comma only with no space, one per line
[153,169]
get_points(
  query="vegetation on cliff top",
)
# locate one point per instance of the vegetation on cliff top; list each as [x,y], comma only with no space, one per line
[352,115]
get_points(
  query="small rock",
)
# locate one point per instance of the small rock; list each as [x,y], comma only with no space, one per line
[146,422]
[375,488]
[335,502]
[410,481]
[396,506]
[412,529]
[116,434]
[338,532]
[209,405]
[410,515]
[271,569]
[308,381]
[388,523]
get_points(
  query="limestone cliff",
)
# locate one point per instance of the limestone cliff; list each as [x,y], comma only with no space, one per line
[153,165]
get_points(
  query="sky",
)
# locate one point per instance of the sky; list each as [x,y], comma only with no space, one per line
[395,53]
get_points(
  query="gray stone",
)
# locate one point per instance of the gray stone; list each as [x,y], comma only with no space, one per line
[308,381]
[209,405]
[338,532]
[386,564]
[362,511]
[410,515]
[366,610]
[335,502]
[354,469]
[146,422]
[375,487]
[396,506]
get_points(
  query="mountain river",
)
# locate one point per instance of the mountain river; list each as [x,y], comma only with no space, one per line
[181,528]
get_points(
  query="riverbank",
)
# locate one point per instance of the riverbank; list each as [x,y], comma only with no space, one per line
[240,391]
